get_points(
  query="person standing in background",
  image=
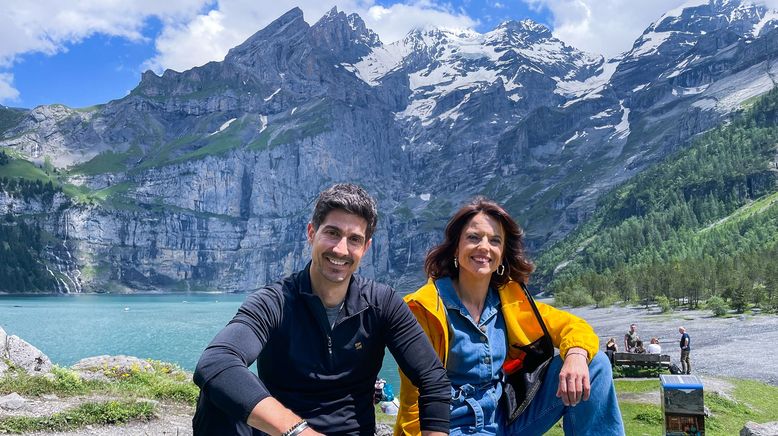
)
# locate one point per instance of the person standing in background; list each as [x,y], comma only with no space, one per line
[631,338]
[686,366]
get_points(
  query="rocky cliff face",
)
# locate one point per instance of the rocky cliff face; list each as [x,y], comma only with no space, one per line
[204,179]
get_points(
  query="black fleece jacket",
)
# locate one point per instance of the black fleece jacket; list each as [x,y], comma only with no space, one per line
[325,375]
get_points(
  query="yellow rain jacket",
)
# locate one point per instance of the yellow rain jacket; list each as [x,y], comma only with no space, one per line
[566,330]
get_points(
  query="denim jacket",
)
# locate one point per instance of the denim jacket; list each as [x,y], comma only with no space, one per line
[566,330]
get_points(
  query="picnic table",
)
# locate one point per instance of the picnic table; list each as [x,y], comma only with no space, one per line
[644,360]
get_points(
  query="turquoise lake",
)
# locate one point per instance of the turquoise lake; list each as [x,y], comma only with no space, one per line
[173,328]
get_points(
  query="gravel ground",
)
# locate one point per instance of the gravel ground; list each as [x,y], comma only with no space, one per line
[740,346]
[173,420]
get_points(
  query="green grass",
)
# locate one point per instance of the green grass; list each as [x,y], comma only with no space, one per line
[107,162]
[65,383]
[102,413]
[134,390]
[22,169]
[751,401]
[167,382]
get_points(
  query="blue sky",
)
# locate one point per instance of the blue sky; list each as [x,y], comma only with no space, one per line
[85,53]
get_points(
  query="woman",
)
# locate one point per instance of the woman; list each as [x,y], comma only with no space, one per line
[654,347]
[611,349]
[477,316]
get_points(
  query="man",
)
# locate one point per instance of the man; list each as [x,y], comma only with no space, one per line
[686,366]
[631,338]
[318,337]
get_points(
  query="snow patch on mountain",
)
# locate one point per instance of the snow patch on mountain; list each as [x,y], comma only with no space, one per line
[649,43]
[270,97]
[223,126]
[679,10]
[589,88]
[770,16]
[622,129]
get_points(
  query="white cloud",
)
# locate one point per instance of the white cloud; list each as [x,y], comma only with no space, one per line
[607,27]
[50,26]
[208,37]
[8,93]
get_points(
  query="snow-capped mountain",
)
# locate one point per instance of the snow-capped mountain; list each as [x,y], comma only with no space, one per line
[203,179]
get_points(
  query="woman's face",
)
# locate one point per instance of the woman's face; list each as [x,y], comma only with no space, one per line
[480,247]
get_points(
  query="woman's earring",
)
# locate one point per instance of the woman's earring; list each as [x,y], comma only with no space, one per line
[456,263]
[500,269]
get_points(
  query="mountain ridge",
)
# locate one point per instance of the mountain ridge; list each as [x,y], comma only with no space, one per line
[223,155]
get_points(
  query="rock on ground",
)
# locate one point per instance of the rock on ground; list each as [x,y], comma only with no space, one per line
[12,401]
[754,429]
[106,368]
[384,430]
[23,355]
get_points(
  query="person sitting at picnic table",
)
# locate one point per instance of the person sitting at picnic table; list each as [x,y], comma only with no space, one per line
[611,349]
[654,347]
[639,347]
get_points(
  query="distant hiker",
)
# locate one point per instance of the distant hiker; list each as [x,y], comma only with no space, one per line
[654,347]
[318,337]
[686,366]
[611,349]
[639,347]
[631,338]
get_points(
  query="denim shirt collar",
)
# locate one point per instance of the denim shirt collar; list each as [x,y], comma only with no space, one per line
[451,300]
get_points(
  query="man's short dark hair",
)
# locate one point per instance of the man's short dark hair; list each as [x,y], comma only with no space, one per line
[350,198]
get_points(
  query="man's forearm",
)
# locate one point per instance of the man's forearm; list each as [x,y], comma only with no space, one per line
[273,418]
[433,433]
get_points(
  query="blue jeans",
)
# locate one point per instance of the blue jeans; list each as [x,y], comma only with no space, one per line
[600,415]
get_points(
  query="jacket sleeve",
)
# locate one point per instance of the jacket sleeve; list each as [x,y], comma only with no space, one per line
[419,363]
[568,331]
[222,372]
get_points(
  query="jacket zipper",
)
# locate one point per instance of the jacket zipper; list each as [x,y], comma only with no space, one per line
[329,348]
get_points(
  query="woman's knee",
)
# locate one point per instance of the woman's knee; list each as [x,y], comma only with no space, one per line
[600,366]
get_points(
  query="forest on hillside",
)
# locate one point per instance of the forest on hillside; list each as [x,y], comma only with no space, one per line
[701,226]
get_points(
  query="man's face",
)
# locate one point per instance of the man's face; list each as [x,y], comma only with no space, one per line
[337,246]
[633,328]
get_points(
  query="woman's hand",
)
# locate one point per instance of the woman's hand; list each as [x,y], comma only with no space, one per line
[574,377]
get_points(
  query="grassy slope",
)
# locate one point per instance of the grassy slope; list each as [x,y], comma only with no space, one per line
[712,166]
[135,392]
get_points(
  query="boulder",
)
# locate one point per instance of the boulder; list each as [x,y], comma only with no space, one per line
[12,401]
[754,429]
[17,352]
[108,368]
[384,430]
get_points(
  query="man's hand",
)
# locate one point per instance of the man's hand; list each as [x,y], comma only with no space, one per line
[574,378]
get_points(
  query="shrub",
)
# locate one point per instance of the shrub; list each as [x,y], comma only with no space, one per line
[717,305]
[664,304]
[576,296]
